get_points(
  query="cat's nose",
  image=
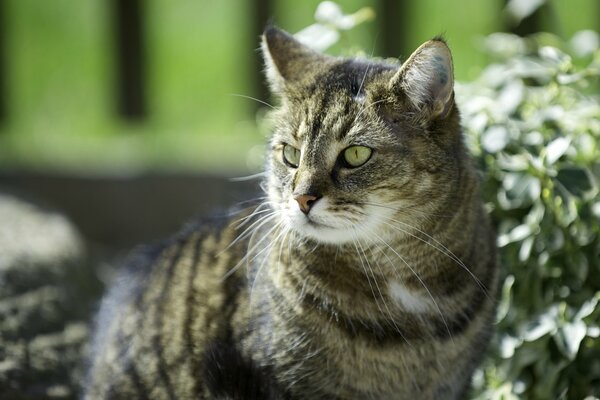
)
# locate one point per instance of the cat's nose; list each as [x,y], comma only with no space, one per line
[306,201]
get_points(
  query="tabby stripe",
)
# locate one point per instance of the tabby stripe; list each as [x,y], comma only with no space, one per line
[347,123]
[189,319]
[381,333]
[158,348]
[122,343]
[384,332]
[458,324]
[136,380]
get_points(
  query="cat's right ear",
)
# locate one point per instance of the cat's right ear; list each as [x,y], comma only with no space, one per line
[287,61]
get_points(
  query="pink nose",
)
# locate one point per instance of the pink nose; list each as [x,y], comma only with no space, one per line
[306,201]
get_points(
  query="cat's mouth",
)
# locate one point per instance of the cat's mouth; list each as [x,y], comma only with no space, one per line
[319,225]
[339,227]
[311,222]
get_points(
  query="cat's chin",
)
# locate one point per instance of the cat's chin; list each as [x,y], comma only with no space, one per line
[323,233]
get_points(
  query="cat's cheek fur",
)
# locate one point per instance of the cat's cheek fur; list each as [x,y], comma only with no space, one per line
[338,227]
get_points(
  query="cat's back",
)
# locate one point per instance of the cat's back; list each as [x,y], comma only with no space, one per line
[169,303]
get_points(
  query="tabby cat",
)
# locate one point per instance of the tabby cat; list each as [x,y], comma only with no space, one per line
[369,271]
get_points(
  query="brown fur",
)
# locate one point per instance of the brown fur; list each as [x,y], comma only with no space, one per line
[401,310]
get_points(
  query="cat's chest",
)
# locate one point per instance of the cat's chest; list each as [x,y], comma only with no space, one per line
[325,363]
[338,368]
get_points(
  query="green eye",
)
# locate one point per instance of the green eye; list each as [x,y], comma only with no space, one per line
[355,156]
[291,155]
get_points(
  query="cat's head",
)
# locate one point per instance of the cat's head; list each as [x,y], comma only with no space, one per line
[360,146]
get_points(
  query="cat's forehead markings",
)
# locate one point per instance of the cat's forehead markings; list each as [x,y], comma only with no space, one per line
[353,133]
[301,131]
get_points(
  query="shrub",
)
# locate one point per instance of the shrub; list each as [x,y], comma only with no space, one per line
[536,134]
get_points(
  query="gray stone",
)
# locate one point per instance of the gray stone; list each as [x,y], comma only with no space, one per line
[44,302]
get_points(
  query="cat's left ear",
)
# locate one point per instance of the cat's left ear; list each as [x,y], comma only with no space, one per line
[287,61]
[427,79]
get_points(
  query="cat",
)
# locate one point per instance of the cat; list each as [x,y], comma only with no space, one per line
[368,272]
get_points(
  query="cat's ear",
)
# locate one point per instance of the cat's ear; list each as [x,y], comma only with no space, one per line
[287,61]
[427,79]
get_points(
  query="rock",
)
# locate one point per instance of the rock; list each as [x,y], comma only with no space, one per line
[47,291]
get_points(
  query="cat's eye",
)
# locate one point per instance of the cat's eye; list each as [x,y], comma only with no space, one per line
[355,156]
[291,155]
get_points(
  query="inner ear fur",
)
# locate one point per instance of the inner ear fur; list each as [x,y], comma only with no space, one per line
[426,79]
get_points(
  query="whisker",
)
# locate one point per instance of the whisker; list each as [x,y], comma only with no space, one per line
[420,280]
[260,209]
[250,231]
[251,247]
[265,262]
[439,247]
[248,177]
[253,98]
[356,242]
[389,313]
[363,80]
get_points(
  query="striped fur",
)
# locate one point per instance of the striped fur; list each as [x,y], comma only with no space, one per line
[384,290]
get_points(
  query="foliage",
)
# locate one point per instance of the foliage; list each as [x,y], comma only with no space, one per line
[330,23]
[536,136]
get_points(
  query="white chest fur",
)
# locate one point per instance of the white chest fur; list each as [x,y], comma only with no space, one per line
[412,301]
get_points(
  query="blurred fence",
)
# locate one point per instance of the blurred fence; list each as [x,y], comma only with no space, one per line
[130,39]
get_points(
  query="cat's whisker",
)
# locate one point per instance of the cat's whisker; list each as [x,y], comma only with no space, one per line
[250,231]
[266,236]
[249,177]
[251,246]
[243,206]
[412,270]
[261,209]
[356,243]
[270,246]
[253,98]
[362,82]
[437,246]
[388,311]
[255,225]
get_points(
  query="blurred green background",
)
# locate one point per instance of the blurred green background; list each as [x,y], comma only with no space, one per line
[60,91]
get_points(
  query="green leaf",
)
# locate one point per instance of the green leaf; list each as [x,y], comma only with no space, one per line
[520,189]
[588,307]
[495,139]
[508,346]
[585,42]
[525,250]
[541,326]
[570,337]
[521,9]
[575,179]
[556,149]
[505,300]
[517,234]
